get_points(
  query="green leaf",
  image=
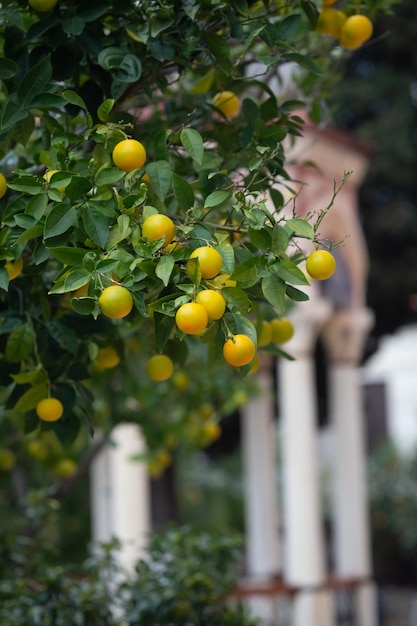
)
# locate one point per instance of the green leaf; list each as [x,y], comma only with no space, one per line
[260,238]
[126,68]
[291,273]
[296,294]
[46,100]
[303,60]
[11,113]
[108,176]
[183,192]
[273,289]
[73,26]
[70,281]
[193,144]
[21,132]
[37,206]
[69,256]
[78,187]
[19,343]
[227,252]
[31,377]
[34,81]
[280,239]
[72,97]
[288,27]
[301,228]
[194,271]
[238,323]
[160,145]
[63,335]
[247,273]
[61,218]
[216,199]
[160,174]
[27,184]
[8,68]
[164,268]
[104,110]
[164,325]
[237,297]
[4,279]
[84,306]
[96,224]
[29,400]
[30,233]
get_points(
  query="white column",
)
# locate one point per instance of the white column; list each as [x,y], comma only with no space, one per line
[304,557]
[120,495]
[344,338]
[261,489]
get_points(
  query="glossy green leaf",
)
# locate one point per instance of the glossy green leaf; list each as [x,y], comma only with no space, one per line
[31,397]
[65,336]
[68,255]
[60,219]
[19,343]
[160,174]
[183,192]
[273,289]
[34,81]
[96,224]
[193,144]
[300,228]
[164,268]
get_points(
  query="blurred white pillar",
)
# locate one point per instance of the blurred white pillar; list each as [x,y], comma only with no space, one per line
[120,499]
[344,338]
[304,560]
[261,489]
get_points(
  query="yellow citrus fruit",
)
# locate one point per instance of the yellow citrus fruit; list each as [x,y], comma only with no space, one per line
[206,410]
[42,5]
[209,259]
[282,330]
[7,459]
[37,449]
[14,268]
[65,468]
[159,367]
[227,102]
[3,185]
[115,302]
[157,226]
[239,350]
[213,302]
[330,22]
[107,358]
[355,31]
[181,381]
[320,264]
[191,318]
[49,409]
[129,155]
[264,334]
[48,175]
[209,432]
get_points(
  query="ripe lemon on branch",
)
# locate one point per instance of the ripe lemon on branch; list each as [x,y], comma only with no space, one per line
[115,302]
[129,155]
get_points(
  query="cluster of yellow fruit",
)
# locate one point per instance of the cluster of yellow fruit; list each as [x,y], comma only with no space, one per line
[351,32]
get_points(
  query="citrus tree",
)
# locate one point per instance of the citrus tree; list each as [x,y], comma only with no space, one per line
[142,153]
